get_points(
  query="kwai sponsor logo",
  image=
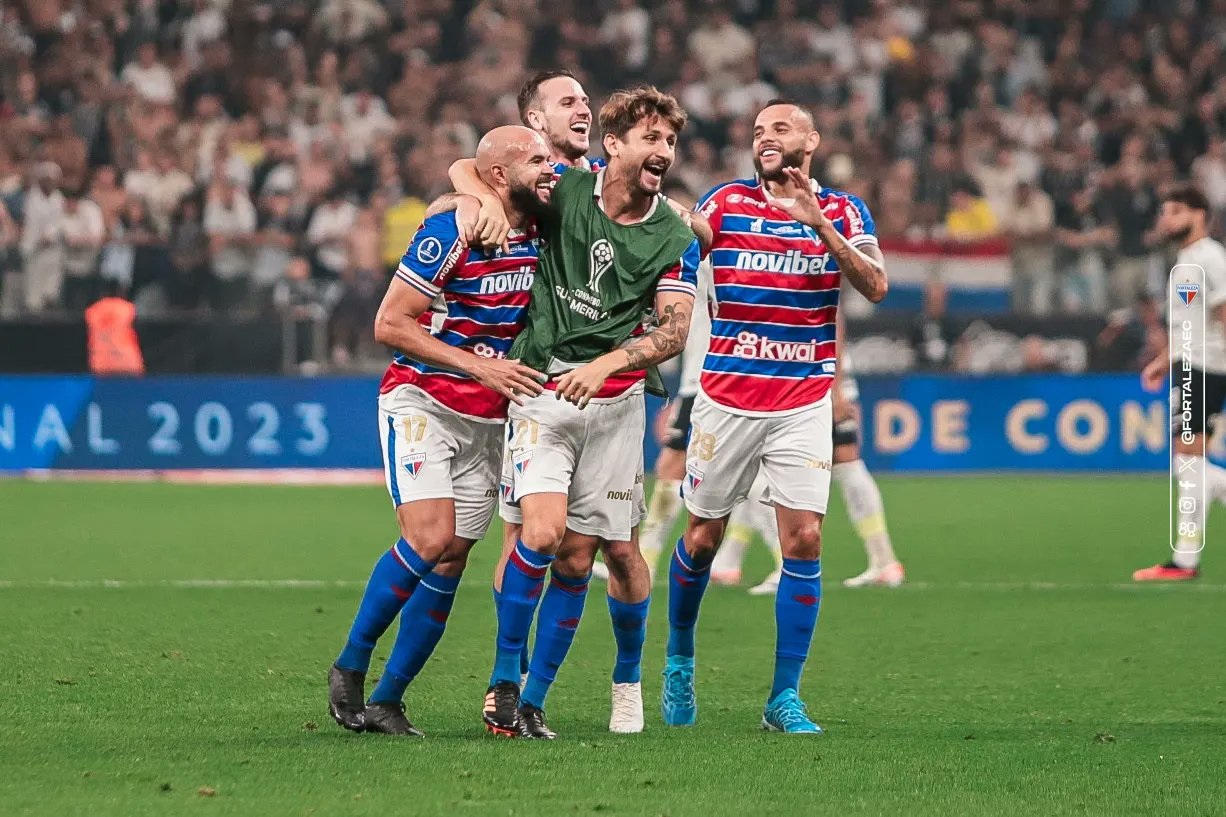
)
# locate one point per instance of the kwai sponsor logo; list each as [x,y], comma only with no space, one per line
[751,346]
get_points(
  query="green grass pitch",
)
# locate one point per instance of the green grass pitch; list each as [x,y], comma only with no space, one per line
[1018,674]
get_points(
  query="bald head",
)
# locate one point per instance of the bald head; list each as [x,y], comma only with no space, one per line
[514,162]
[506,146]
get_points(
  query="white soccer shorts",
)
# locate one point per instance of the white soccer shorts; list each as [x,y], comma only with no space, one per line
[794,452]
[430,452]
[509,509]
[593,455]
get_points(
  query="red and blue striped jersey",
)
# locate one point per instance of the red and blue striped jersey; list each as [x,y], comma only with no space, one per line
[486,294]
[777,292]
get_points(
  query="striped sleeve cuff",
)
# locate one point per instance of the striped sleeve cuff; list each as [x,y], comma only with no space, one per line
[864,239]
[672,285]
[417,282]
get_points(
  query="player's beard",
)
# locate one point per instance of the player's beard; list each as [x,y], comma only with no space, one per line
[637,182]
[793,158]
[524,198]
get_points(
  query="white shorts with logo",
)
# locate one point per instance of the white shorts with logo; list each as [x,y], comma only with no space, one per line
[726,450]
[430,452]
[593,455]
[509,509]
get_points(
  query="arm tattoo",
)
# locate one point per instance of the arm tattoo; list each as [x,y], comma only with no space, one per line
[867,274]
[665,342]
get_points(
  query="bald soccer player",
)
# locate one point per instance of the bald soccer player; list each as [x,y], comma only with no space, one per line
[442,406]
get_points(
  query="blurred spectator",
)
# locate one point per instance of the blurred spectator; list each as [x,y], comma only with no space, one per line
[105,192]
[275,241]
[67,150]
[170,184]
[1028,223]
[230,224]
[189,254]
[83,232]
[365,283]
[970,218]
[366,118]
[328,234]
[719,44]
[10,263]
[278,170]
[933,335]
[936,182]
[41,239]
[626,29]
[304,303]
[298,295]
[1083,234]
[151,270]
[1209,173]
[206,24]
[148,77]
[140,179]
[1133,205]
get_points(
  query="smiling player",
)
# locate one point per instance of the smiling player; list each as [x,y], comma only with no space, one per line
[614,249]
[441,409]
[781,249]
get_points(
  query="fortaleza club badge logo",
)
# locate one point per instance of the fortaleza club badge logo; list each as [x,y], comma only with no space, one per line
[413,463]
[1187,293]
[521,462]
[693,475]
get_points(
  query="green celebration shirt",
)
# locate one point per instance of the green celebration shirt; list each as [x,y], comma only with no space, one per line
[596,280]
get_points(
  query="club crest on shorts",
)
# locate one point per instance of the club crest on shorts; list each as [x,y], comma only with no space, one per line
[413,463]
[521,461]
[1187,292]
[600,261]
[693,476]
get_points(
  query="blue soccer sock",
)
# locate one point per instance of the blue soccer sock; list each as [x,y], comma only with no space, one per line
[391,583]
[796,605]
[629,631]
[523,656]
[522,582]
[422,622]
[687,581]
[561,609]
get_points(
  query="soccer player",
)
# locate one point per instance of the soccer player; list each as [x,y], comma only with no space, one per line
[614,248]
[442,404]
[1184,220]
[781,248]
[555,105]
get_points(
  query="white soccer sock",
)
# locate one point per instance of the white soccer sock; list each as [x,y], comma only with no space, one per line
[1188,547]
[731,554]
[661,516]
[862,498]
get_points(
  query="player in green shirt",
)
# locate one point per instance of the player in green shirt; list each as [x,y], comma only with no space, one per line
[612,249]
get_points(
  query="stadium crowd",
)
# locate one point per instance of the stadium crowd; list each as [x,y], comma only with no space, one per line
[209,154]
